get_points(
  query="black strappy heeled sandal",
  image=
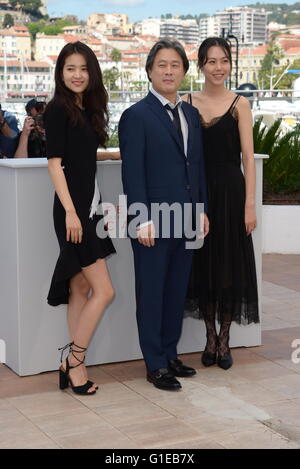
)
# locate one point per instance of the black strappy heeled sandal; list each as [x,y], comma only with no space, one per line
[64,375]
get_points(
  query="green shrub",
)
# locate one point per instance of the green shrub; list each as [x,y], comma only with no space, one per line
[113,141]
[282,169]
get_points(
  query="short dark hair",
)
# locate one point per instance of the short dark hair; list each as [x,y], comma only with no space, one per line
[166,44]
[30,105]
[211,42]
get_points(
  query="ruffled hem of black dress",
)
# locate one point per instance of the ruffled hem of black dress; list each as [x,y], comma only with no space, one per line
[70,262]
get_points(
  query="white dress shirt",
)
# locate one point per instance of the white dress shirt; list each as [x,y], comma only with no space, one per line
[184,125]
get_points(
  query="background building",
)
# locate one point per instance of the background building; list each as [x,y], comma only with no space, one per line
[150,27]
[186,31]
[247,24]
[209,27]
[25,76]
[16,41]
[110,23]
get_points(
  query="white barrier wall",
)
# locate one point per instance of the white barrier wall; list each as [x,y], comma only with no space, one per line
[31,331]
[281,229]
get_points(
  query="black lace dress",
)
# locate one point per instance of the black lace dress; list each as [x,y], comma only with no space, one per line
[223,277]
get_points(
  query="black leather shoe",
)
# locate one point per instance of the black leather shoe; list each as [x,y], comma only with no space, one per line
[225,361]
[208,359]
[163,379]
[180,370]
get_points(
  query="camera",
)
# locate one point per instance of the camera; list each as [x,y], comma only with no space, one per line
[38,126]
[38,120]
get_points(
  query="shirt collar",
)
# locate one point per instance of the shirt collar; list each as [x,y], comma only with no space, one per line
[164,101]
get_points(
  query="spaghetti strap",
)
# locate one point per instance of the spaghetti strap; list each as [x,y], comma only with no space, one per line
[190,99]
[234,103]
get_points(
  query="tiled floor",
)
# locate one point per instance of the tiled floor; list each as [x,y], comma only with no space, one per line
[255,404]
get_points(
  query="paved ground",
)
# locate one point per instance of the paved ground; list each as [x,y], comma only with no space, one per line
[255,404]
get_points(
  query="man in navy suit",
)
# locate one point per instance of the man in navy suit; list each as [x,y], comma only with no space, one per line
[162,162]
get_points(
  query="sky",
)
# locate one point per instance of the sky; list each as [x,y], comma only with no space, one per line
[140,9]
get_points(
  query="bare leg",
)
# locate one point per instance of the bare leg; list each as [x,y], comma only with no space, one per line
[83,323]
[79,290]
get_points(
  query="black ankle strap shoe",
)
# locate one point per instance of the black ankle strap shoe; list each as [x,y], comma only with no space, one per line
[64,375]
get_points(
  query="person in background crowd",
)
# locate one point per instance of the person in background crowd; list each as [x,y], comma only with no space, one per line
[34,107]
[32,140]
[8,134]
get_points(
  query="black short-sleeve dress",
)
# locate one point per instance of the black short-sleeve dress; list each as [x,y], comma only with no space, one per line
[77,146]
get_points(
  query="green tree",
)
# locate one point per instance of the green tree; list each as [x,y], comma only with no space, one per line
[35,28]
[52,29]
[270,65]
[189,82]
[116,55]
[284,81]
[110,77]
[8,21]
[29,6]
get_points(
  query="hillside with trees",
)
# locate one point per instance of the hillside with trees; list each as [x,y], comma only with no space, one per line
[280,12]
[31,7]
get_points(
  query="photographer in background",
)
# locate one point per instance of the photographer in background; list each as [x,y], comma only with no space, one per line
[8,134]
[34,107]
[32,141]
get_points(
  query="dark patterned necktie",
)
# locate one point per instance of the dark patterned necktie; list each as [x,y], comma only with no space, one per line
[176,122]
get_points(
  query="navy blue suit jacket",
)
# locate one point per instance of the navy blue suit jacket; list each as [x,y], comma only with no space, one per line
[154,166]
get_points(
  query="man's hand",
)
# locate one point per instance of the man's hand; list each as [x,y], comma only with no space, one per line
[204,225]
[28,126]
[146,235]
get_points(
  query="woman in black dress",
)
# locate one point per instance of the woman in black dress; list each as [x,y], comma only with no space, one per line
[223,280]
[76,124]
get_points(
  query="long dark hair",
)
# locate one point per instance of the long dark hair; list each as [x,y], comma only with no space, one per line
[211,42]
[95,96]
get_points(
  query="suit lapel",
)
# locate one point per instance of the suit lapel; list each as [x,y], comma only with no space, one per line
[158,109]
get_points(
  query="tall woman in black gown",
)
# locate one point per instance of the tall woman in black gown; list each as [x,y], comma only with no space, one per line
[76,124]
[223,280]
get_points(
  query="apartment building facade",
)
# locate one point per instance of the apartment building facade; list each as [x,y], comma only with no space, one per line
[247,24]
[17,76]
[186,31]
[15,42]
